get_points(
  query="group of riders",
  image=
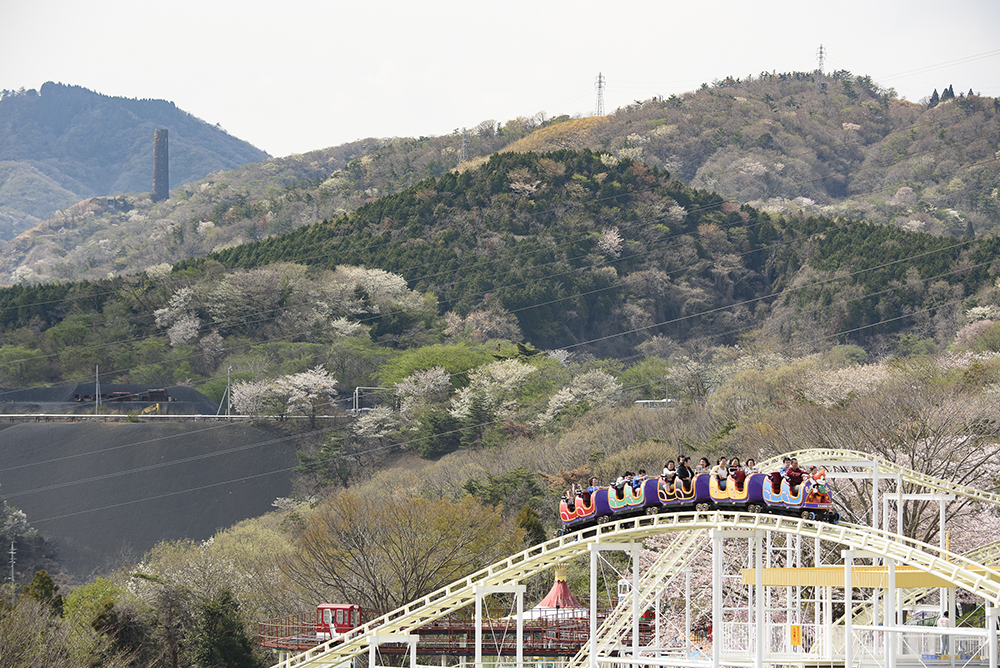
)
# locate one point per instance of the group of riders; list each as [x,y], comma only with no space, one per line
[681,474]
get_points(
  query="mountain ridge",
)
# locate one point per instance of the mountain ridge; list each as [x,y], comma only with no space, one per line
[76,143]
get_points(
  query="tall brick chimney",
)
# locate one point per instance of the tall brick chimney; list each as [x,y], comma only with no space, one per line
[161,166]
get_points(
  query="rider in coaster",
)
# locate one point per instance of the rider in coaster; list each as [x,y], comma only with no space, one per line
[669,474]
[684,474]
[777,476]
[721,472]
[794,476]
[738,473]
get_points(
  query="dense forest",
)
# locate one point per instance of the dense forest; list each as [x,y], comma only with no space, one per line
[570,250]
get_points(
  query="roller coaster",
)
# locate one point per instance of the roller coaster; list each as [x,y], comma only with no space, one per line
[768,606]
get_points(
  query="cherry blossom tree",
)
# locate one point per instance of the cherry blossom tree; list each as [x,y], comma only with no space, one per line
[421,390]
[253,397]
[308,392]
[178,317]
[610,242]
[595,388]
[494,387]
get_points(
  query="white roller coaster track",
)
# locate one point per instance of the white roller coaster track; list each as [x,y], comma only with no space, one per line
[988,555]
[953,568]
[887,469]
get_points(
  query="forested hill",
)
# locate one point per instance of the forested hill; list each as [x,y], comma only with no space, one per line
[584,247]
[62,144]
[570,250]
[799,142]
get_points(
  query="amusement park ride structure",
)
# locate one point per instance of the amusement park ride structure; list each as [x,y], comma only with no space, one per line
[784,591]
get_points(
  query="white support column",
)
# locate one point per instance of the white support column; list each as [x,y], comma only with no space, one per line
[892,614]
[848,609]
[798,588]
[687,611]
[817,592]
[875,496]
[952,608]
[943,595]
[758,542]
[518,591]
[594,552]
[520,627]
[991,633]
[716,598]
[656,621]
[636,613]
[479,629]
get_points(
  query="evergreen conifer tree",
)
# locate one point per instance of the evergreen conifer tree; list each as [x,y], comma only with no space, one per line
[935,99]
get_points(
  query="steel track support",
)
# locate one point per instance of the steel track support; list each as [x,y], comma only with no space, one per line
[380,639]
[759,621]
[848,609]
[595,549]
[716,597]
[518,591]
[991,621]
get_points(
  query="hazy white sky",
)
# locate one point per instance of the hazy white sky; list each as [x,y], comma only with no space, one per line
[298,75]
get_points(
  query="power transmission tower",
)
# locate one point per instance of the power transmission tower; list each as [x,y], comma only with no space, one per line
[821,57]
[599,84]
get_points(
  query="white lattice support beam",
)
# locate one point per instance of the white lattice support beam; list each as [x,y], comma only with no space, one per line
[668,564]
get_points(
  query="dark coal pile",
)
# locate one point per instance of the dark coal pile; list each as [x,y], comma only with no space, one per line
[79,398]
[103,491]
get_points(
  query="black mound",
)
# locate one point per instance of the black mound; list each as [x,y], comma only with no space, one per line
[100,492]
[79,398]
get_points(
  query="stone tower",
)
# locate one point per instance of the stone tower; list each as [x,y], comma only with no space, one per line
[161,166]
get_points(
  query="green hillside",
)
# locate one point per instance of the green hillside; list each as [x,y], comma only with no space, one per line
[569,250]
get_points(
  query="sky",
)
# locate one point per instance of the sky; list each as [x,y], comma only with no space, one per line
[300,75]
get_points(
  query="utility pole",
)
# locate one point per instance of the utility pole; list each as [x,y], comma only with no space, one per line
[464,155]
[97,388]
[599,84]
[821,57]
[12,553]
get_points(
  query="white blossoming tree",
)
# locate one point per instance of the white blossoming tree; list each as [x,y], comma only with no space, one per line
[253,397]
[594,388]
[610,242]
[490,397]
[309,392]
[421,390]
[178,317]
